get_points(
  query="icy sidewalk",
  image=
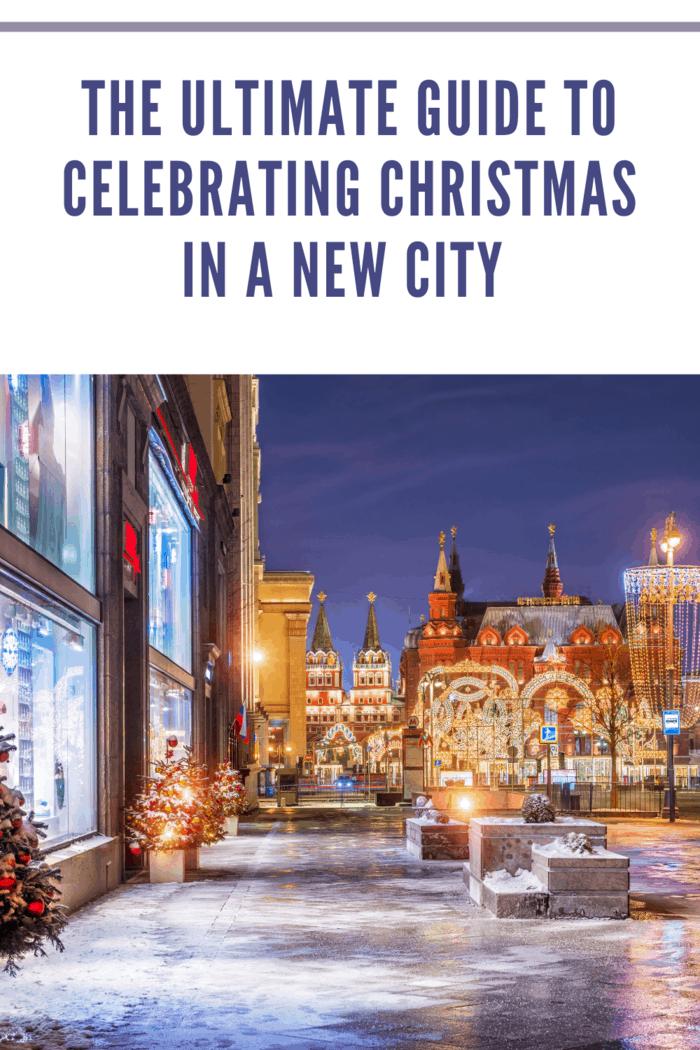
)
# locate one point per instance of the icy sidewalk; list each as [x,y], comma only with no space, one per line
[323,932]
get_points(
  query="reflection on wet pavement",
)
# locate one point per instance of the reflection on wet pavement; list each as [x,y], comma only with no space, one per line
[323,932]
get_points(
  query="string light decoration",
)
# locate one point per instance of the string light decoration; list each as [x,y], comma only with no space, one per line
[376,747]
[176,810]
[30,913]
[663,621]
[228,790]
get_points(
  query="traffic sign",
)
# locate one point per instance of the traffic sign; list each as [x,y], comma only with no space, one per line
[548,734]
[671,723]
[438,762]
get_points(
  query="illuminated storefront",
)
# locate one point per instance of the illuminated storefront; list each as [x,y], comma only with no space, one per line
[48,650]
[169,605]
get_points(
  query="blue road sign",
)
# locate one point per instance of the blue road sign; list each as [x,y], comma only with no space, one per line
[548,734]
[437,762]
[671,723]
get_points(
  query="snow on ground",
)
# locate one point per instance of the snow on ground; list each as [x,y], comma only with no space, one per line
[307,934]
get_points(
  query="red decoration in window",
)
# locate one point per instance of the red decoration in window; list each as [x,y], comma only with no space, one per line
[131,547]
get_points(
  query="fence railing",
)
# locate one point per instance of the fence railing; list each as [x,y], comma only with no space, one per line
[590,797]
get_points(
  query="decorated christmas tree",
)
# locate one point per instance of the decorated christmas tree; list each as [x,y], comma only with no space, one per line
[228,790]
[29,909]
[176,810]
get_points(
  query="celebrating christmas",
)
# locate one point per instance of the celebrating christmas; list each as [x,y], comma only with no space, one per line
[355,711]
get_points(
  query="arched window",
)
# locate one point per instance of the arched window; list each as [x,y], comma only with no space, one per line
[511,667]
[521,673]
[312,679]
[362,679]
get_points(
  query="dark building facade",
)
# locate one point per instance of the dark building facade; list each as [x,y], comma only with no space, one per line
[120,595]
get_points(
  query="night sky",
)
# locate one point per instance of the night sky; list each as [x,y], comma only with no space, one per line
[360,474]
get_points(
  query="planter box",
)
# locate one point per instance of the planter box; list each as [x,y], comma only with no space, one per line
[168,866]
[231,825]
[428,841]
[192,859]
[592,885]
[506,842]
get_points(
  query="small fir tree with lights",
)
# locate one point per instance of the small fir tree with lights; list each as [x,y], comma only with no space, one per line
[176,810]
[229,791]
[29,910]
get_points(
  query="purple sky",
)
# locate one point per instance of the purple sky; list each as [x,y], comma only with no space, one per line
[360,474]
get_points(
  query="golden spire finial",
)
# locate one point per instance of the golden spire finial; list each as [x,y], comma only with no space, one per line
[371,596]
[422,617]
[322,597]
[551,530]
[442,540]
[653,536]
[453,530]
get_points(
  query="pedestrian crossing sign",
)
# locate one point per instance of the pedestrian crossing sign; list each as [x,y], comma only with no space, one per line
[548,734]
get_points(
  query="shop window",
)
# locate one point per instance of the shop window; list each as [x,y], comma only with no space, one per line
[169,568]
[47,467]
[170,714]
[47,698]
[551,717]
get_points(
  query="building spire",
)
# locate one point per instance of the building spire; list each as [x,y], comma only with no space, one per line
[371,630]
[456,581]
[322,632]
[552,586]
[653,557]
[442,576]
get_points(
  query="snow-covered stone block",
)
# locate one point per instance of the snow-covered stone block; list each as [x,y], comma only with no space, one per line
[167,866]
[592,885]
[519,896]
[497,843]
[427,840]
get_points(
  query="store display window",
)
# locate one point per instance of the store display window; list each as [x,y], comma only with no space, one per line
[169,571]
[170,715]
[47,468]
[47,698]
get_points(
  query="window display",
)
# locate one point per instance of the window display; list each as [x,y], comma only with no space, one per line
[47,698]
[46,468]
[169,569]
[170,714]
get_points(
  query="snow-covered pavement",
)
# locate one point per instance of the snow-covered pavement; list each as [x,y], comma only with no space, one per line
[323,932]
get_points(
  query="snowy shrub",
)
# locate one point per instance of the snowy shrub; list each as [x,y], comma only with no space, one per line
[577,843]
[538,809]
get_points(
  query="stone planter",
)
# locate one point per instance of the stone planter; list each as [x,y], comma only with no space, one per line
[505,843]
[428,841]
[192,859]
[591,885]
[167,866]
[231,825]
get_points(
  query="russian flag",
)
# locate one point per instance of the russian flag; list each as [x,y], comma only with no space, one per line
[240,724]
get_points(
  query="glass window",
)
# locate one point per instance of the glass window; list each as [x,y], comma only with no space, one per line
[47,698]
[170,714]
[46,468]
[169,572]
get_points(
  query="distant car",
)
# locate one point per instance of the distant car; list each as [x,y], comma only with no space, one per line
[345,782]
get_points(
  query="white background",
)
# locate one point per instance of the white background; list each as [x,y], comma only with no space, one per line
[572,293]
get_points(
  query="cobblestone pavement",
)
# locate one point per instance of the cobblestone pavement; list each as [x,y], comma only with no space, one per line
[322,932]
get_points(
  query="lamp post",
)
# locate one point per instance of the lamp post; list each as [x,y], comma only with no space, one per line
[671,540]
[386,757]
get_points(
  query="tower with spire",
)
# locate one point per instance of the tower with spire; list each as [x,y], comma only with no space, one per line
[371,678]
[442,639]
[552,587]
[324,676]
[456,581]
